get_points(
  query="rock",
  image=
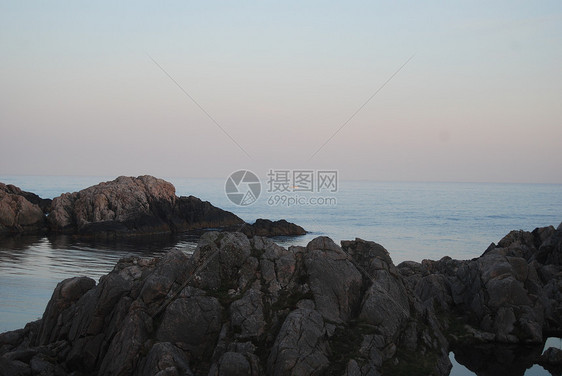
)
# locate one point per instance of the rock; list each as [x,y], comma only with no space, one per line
[232,364]
[43,203]
[167,273]
[124,206]
[552,356]
[246,306]
[334,281]
[550,250]
[300,347]
[551,360]
[17,214]
[268,228]
[507,293]
[40,365]
[12,338]
[14,368]
[236,306]
[246,315]
[393,319]
[191,213]
[194,320]
[66,293]
[21,355]
[126,347]
[130,205]
[227,254]
[166,359]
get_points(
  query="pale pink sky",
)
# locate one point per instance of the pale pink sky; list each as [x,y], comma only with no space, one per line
[481,100]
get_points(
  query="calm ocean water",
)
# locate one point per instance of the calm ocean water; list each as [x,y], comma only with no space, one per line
[414,221]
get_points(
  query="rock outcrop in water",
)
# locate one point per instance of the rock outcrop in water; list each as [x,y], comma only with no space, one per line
[21,212]
[124,206]
[130,205]
[246,306]
[268,228]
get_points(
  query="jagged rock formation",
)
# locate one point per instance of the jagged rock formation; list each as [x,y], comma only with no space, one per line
[21,212]
[510,294]
[246,306]
[238,306]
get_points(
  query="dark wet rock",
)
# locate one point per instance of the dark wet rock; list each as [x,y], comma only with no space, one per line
[14,368]
[300,347]
[334,282]
[246,315]
[66,293]
[24,355]
[130,205]
[237,306]
[268,228]
[394,324]
[246,306]
[194,320]
[164,358]
[552,356]
[12,338]
[551,360]
[232,364]
[19,215]
[511,294]
[125,206]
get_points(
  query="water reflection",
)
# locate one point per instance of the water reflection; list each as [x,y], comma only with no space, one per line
[31,267]
[15,249]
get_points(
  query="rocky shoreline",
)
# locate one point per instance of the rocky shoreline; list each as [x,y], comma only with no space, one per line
[125,206]
[245,306]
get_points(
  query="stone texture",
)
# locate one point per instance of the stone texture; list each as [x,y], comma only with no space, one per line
[18,215]
[334,281]
[165,359]
[552,356]
[300,347]
[268,228]
[125,206]
[507,295]
[133,205]
[246,306]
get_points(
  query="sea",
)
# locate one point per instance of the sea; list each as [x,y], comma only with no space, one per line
[413,221]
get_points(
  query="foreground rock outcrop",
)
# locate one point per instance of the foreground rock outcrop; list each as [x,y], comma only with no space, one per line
[238,306]
[246,306]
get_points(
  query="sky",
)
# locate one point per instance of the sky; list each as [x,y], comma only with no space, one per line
[461,91]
